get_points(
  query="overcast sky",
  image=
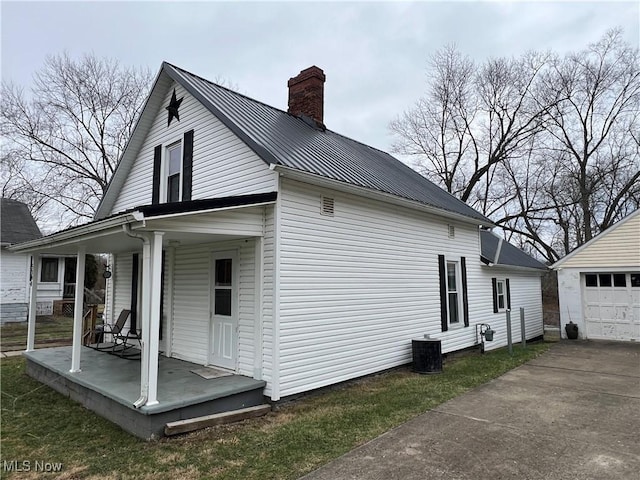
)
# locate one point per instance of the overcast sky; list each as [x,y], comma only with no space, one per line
[374,54]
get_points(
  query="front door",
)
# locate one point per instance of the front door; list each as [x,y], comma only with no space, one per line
[224,311]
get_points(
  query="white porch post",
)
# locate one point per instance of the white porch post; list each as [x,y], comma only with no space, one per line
[33,297]
[78,311]
[154,324]
[145,313]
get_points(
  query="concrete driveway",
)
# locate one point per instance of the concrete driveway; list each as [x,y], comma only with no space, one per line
[573,413]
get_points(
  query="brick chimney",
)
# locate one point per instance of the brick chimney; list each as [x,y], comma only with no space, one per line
[306,94]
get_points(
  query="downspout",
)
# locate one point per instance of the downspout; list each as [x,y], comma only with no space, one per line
[144,388]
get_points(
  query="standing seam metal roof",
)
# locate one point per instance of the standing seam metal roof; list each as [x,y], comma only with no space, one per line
[281,138]
[509,254]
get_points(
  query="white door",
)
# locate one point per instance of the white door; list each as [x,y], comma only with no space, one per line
[612,305]
[224,310]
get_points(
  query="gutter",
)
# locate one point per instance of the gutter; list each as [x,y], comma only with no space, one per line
[209,210]
[75,232]
[515,267]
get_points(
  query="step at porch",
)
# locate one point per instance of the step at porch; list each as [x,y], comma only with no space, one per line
[198,423]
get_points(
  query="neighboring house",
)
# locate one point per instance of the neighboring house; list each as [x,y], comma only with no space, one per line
[599,284]
[257,240]
[17,225]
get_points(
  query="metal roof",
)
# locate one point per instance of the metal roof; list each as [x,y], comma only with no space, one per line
[509,255]
[17,223]
[284,139]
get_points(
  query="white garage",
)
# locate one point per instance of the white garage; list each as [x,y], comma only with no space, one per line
[599,284]
[611,304]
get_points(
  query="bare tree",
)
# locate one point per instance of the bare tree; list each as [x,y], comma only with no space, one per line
[473,118]
[593,131]
[546,146]
[72,126]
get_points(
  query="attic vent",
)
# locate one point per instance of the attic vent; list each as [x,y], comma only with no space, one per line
[326,206]
[452,231]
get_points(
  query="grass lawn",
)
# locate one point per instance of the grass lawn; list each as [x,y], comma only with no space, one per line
[49,329]
[39,424]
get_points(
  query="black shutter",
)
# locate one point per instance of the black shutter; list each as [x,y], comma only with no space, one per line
[494,284]
[465,297]
[157,167]
[443,293]
[187,165]
[508,294]
[134,294]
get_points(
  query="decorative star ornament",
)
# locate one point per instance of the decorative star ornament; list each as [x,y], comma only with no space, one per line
[173,107]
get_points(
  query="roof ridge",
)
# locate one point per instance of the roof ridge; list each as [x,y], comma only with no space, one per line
[392,175]
[229,90]
[277,109]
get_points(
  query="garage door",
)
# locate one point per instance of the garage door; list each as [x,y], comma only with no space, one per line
[612,305]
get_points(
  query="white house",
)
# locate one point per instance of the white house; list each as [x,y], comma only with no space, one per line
[599,283]
[17,225]
[259,241]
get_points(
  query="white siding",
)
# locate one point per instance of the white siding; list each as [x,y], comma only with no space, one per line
[14,287]
[617,247]
[268,299]
[121,274]
[237,222]
[191,302]
[222,164]
[357,287]
[190,326]
[526,292]
[14,277]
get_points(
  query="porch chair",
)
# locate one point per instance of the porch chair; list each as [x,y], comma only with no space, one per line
[121,341]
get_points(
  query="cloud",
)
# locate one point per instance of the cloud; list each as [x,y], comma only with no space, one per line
[375,55]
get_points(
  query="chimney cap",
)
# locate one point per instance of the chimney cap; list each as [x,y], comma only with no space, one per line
[306,74]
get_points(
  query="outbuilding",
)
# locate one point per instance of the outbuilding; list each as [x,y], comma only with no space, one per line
[599,284]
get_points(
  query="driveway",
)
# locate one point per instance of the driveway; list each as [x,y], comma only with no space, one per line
[572,413]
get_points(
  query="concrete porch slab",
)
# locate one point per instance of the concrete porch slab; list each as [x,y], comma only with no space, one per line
[109,385]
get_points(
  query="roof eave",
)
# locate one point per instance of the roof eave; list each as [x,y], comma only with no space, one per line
[66,236]
[612,228]
[515,267]
[108,199]
[374,194]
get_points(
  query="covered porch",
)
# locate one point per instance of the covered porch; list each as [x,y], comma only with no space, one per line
[159,289]
[109,385]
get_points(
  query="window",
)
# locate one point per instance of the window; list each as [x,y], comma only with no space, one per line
[223,286]
[454,301]
[619,280]
[501,294]
[49,270]
[453,296]
[173,169]
[635,279]
[605,279]
[591,280]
